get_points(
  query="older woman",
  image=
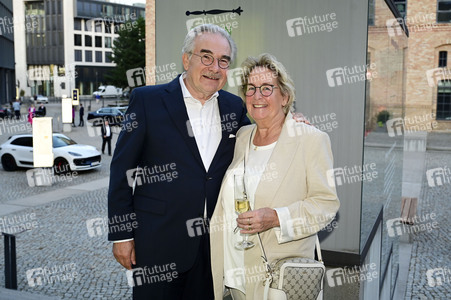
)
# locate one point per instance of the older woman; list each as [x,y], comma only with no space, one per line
[284,164]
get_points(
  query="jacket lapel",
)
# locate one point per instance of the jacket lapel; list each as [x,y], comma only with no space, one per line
[176,108]
[279,162]
[225,112]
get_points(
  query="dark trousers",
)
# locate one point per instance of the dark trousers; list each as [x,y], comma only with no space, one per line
[196,283]
[82,122]
[17,112]
[106,140]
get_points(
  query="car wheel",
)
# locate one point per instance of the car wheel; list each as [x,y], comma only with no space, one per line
[9,163]
[61,166]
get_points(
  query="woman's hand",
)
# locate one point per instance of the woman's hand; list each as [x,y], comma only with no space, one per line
[257,220]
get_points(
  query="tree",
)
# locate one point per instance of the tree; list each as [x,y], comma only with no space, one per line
[129,51]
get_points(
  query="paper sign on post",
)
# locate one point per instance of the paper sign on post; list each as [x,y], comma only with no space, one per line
[42,142]
[66,108]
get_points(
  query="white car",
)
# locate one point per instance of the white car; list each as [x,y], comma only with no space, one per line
[68,155]
[42,99]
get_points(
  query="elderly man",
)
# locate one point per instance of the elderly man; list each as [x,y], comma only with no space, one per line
[166,172]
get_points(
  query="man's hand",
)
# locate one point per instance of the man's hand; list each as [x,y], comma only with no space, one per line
[258,220]
[299,117]
[124,252]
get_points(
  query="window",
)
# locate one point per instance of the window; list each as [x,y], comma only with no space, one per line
[77,24]
[98,41]
[401,5]
[23,141]
[442,59]
[99,56]
[444,100]
[88,56]
[107,42]
[443,11]
[78,55]
[88,41]
[98,26]
[108,27]
[108,56]
[77,39]
[371,11]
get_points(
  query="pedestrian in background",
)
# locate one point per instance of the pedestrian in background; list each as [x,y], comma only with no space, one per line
[82,113]
[16,107]
[31,113]
[73,116]
[42,111]
[106,137]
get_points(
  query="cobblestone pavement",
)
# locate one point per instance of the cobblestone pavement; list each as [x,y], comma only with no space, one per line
[82,135]
[60,240]
[431,249]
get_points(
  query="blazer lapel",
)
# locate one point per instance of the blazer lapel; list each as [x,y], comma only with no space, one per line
[176,108]
[279,162]
[225,113]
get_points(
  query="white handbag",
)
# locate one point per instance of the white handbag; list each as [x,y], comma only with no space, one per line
[294,278]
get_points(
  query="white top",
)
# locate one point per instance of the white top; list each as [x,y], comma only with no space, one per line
[107,130]
[257,162]
[204,123]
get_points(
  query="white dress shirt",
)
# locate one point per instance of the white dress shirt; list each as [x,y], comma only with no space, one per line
[204,123]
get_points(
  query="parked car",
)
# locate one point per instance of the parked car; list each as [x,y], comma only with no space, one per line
[114,115]
[42,99]
[17,151]
[107,91]
[5,113]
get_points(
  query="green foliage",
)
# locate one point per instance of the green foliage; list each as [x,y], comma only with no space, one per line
[129,51]
[383,116]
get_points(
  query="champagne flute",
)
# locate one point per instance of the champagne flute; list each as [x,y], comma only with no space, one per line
[241,205]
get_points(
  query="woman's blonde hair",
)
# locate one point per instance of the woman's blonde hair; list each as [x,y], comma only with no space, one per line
[268,61]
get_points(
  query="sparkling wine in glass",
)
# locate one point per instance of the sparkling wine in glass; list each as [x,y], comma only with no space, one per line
[241,205]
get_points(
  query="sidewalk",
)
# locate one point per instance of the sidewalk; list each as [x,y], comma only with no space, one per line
[62,237]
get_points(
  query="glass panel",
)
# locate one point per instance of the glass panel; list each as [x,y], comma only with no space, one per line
[383,147]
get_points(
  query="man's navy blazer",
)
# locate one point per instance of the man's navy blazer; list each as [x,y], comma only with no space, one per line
[157,137]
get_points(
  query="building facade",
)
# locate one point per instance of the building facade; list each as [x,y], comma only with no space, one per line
[68,44]
[7,73]
[428,77]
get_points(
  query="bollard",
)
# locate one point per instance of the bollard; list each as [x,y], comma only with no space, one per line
[10,261]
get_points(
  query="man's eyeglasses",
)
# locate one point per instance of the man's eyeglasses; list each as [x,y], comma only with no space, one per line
[265,89]
[208,59]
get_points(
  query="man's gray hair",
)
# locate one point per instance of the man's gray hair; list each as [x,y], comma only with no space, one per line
[188,44]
